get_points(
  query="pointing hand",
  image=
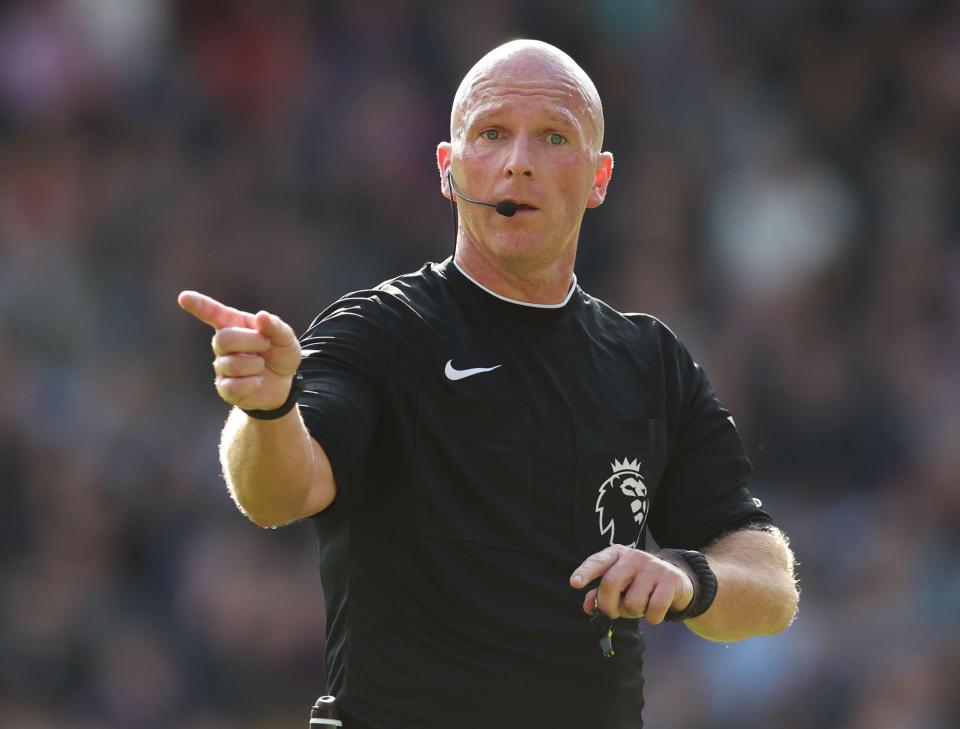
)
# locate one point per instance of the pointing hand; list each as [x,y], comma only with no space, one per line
[256,354]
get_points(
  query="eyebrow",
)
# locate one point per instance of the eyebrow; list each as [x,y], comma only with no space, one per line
[484,115]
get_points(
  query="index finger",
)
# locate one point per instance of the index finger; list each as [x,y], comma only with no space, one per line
[594,566]
[212,312]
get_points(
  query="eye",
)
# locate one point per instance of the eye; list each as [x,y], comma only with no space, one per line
[557,139]
[490,134]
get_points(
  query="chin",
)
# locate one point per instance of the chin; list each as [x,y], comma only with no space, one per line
[518,246]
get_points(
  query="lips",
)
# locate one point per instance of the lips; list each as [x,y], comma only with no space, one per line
[521,206]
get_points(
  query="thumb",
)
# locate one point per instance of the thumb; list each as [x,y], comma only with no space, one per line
[275,329]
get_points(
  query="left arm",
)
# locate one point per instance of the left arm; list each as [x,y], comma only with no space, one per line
[702,494]
[756,588]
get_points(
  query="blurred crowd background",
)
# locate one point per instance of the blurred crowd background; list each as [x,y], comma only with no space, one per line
[786,197]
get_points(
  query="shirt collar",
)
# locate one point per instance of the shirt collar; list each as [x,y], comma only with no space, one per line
[566,299]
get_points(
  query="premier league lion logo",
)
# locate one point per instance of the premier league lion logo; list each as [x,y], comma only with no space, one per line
[622,503]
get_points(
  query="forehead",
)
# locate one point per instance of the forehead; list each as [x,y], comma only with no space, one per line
[560,102]
[523,84]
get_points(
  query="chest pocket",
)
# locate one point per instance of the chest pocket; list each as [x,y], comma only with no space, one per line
[476,468]
[619,464]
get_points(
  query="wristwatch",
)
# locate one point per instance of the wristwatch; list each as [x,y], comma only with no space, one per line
[704,581]
[296,388]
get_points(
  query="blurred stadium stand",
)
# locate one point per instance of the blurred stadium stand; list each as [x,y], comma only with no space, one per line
[786,197]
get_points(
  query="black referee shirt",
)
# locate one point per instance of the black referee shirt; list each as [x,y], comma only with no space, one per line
[482,448]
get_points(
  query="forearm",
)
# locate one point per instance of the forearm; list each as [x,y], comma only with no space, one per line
[756,586]
[275,471]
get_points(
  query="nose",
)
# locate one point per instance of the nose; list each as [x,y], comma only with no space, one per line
[519,161]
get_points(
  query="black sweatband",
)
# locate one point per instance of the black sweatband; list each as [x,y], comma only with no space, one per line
[296,388]
[704,584]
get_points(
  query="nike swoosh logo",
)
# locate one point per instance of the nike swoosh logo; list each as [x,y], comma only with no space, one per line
[453,373]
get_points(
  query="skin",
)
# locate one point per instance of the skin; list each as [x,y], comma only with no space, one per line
[756,588]
[527,126]
[277,473]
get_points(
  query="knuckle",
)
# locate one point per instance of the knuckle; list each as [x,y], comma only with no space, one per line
[638,555]
[233,389]
[659,602]
[610,578]
[224,391]
[607,592]
[655,616]
[614,552]
[610,608]
[615,582]
[634,606]
[633,557]
[674,574]
[240,365]
[598,558]
[224,342]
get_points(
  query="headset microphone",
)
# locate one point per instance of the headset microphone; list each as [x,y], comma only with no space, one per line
[504,207]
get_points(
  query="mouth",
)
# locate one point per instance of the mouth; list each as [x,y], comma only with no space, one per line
[521,207]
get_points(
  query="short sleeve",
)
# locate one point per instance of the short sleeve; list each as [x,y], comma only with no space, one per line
[346,355]
[704,490]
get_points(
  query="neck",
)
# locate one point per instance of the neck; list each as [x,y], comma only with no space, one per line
[533,283]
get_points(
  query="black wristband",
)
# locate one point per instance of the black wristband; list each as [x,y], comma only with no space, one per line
[704,586]
[296,387]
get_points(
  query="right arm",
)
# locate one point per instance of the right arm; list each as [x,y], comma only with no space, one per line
[276,472]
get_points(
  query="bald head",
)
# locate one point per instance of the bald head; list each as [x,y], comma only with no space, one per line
[526,65]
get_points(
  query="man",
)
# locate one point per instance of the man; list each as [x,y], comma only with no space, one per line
[482,445]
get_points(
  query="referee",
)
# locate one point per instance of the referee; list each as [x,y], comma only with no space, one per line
[482,448]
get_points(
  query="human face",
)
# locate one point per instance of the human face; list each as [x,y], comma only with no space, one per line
[525,132]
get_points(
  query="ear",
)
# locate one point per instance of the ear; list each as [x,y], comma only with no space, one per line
[444,160]
[601,180]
